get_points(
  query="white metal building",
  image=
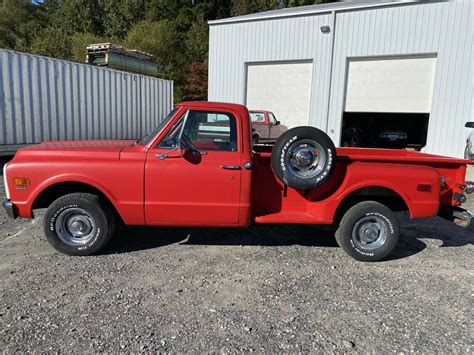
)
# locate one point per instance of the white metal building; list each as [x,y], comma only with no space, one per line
[387,68]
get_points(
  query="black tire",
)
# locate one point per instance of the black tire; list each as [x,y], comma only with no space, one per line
[82,213]
[368,214]
[303,142]
[254,139]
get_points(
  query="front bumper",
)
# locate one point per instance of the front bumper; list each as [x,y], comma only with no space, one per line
[9,208]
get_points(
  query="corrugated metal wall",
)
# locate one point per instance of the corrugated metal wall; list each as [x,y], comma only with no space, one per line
[232,46]
[49,99]
[444,29]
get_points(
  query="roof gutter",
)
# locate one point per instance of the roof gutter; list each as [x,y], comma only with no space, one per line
[307,12]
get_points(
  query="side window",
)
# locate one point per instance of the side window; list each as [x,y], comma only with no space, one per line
[212,130]
[207,130]
[272,118]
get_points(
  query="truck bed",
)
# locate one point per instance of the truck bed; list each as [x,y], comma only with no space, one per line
[381,155]
[397,171]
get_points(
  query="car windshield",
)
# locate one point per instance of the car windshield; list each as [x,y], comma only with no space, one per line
[146,139]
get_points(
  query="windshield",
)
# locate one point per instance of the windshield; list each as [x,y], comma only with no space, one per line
[149,136]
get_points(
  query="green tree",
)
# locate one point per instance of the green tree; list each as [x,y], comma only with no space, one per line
[161,39]
[243,7]
[52,42]
[120,16]
[164,9]
[196,82]
[158,38]
[197,41]
[83,16]
[79,43]
[19,21]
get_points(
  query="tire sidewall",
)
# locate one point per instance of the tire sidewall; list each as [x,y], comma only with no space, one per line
[344,233]
[286,141]
[63,204]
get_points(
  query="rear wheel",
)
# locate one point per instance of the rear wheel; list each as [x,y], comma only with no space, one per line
[79,224]
[303,157]
[368,231]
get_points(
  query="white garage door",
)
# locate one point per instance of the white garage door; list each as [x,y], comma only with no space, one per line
[390,85]
[282,88]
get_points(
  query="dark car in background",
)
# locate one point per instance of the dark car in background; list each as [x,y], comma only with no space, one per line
[265,127]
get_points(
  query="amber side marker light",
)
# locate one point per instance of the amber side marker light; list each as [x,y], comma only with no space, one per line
[22,183]
[424,188]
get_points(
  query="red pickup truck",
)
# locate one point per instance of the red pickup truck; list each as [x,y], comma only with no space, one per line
[199,168]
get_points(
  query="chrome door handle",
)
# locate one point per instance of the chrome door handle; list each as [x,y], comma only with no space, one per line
[231,167]
[161,156]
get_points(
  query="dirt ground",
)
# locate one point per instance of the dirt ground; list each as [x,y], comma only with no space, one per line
[267,288]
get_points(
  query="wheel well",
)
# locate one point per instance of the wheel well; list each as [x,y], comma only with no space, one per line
[53,192]
[382,195]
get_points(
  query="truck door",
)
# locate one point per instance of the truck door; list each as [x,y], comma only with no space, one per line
[275,127]
[199,184]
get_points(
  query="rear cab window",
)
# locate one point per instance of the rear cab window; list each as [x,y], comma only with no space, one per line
[257,117]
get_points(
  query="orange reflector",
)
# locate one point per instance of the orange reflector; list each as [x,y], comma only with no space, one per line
[22,182]
[424,188]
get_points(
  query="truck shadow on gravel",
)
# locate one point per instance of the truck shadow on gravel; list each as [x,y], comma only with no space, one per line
[131,239]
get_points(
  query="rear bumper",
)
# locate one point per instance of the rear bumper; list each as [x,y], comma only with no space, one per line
[462,217]
[457,215]
[9,208]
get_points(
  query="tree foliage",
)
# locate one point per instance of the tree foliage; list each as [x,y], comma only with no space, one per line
[175,31]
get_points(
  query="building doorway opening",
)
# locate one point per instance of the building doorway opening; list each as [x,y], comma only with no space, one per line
[385,130]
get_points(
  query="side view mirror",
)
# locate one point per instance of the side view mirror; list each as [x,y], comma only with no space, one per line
[277,123]
[470,125]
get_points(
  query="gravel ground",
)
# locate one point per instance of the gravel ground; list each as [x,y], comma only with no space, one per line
[268,288]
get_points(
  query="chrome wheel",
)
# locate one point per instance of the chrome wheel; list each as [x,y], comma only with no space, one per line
[370,233]
[306,158]
[75,226]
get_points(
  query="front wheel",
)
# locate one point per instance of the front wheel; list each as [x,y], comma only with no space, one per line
[368,231]
[79,224]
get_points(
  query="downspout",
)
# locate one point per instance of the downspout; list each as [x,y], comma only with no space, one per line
[333,34]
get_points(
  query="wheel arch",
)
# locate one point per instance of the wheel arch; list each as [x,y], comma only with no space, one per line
[52,190]
[385,195]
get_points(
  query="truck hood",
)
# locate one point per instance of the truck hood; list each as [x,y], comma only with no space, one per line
[96,149]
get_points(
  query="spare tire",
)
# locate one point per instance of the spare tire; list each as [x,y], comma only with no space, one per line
[303,157]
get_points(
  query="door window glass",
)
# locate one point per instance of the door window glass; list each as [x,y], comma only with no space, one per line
[207,131]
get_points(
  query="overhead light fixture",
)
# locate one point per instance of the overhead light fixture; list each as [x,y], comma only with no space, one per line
[325,29]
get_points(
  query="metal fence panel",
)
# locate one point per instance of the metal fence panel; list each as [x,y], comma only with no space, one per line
[49,99]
